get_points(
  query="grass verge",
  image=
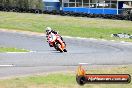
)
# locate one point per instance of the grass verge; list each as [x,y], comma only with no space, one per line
[5,49]
[65,80]
[70,26]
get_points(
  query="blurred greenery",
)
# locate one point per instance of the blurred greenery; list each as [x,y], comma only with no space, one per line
[70,26]
[5,49]
[27,4]
[65,79]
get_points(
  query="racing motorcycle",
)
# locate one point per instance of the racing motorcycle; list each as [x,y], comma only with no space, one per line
[55,41]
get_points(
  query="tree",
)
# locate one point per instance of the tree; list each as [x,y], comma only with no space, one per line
[26,4]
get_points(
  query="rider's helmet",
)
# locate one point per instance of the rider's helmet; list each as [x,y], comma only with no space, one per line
[48,30]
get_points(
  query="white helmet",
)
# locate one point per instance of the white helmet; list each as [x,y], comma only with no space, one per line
[48,29]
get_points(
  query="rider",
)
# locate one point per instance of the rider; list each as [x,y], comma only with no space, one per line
[49,31]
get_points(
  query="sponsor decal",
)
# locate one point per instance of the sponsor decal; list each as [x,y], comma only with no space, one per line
[83,78]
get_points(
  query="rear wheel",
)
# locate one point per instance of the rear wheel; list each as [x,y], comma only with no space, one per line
[58,47]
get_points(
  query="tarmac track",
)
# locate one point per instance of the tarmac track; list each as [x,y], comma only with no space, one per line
[46,59]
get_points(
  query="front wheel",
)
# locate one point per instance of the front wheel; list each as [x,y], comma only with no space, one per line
[65,50]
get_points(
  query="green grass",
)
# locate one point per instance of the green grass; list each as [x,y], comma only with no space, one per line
[71,26]
[5,49]
[65,80]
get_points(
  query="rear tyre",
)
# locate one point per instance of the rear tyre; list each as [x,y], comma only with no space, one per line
[58,45]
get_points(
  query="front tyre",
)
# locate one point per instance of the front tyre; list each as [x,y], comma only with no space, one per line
[65,50]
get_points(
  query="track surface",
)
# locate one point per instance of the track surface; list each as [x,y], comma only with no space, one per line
[46,59]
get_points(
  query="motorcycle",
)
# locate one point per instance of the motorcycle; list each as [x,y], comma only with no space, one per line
[55,41]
